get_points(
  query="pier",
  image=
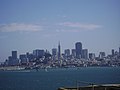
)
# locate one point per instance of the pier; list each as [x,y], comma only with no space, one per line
[92,86]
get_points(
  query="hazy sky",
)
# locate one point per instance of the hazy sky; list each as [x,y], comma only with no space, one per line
[26,25]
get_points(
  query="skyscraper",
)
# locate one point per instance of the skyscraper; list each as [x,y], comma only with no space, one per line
[23,58]
[59,51]
[74,53]
[14,54]
[85,53]
[101,55]
[78,47]
[67,52]
[91,56]
[13,60]
[113,52]
[38,53]
[10,60]
[54,51]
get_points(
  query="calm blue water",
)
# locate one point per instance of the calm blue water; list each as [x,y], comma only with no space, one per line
[55,78]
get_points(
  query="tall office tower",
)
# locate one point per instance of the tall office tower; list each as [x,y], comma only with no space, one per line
[101,55]
[38,53]
[59,51]
[113,52]
[78,47]
[85,53]
[23,58]
[14,60]
[73,53]
[67,52]
[54,51]
[14,54]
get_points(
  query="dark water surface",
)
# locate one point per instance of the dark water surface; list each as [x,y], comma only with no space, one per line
[55,78]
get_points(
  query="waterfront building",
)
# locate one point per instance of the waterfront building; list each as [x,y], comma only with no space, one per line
[85,53]
[78,47]
[91,56]
[38,53]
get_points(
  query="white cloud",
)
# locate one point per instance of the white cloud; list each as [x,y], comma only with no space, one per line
[60,27]
[65,30]
[14,27]
[80,25]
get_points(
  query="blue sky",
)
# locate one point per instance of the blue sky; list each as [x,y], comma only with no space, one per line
[26,25]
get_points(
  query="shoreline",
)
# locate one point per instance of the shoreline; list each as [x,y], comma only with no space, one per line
[22,68]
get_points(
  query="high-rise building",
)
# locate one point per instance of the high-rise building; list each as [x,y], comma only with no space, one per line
[14,54]
[101,55]
[30,57]
[38,53]
[59,51]
[78,47]
[10,60]
[113,52]
[67,52]
[54,51]
[23,58]
[74,53]
[91,56]
[27,54]
[13,60]
[85,53]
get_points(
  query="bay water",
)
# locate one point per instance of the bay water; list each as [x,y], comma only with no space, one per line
[52,79]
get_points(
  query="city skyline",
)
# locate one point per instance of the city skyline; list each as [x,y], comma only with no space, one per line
[27,25]
[70,57]
[78,52]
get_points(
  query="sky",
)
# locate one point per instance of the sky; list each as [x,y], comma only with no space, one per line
[26,25]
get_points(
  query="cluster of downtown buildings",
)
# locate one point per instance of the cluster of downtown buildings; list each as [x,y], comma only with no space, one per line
[77,57]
